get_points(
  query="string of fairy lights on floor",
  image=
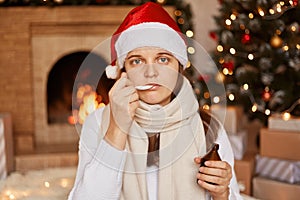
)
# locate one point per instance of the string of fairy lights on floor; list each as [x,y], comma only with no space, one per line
[50,184]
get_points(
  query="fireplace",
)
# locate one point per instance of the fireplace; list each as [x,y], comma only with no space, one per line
[60,83]
[62,71]
[88,92]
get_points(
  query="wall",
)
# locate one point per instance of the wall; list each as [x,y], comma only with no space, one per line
[202,13]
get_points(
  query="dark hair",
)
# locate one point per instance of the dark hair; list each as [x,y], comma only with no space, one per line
[211,127]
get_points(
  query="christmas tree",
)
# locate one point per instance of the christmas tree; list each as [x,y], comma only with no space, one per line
[258,55]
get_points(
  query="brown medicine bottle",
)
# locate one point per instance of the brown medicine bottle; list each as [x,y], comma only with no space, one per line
[211,155]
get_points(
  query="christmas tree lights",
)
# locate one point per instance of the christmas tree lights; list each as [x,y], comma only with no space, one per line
[258,54]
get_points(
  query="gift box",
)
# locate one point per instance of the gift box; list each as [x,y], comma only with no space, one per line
[3,171]
[277,122]
[270,189]
[279,144]
[232,117]
[6,145]
[244,170]
[253,130]
[239,144]
[278,169]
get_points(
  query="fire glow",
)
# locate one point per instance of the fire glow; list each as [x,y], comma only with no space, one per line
[88,101]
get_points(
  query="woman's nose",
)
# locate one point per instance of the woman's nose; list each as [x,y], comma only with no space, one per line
[150,71]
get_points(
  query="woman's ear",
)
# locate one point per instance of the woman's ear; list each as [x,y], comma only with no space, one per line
[119,72]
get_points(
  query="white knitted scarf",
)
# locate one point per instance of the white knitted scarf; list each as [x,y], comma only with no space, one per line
[182,138]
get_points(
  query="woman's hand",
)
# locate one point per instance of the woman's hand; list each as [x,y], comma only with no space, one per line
[123,100]
[217,172]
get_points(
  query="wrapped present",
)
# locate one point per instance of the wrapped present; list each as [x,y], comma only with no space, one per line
[6,145]
[239,144]
[278,169]
[244,170]
[232,117]
[3,171]
[281,123]
[279,144]
[270,189]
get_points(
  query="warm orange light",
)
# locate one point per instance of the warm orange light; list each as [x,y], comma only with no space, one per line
[71,120]
[87,99]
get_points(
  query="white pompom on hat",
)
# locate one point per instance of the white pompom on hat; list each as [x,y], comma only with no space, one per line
[146,25]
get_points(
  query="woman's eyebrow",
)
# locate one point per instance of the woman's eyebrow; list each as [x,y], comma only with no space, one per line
[139,56]
[133,56]
[165,53]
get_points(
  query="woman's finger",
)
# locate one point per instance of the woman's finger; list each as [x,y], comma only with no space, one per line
[120,83]
[216,171]
[212,179]
[217,164]
[197,160]
[134,97]
[216,190]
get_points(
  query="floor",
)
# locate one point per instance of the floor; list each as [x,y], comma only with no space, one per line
[49,184]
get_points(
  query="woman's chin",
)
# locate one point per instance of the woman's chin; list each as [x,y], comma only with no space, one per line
[151,102]
[155,101]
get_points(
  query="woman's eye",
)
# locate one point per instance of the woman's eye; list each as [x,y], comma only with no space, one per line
[136,61]
[163,60]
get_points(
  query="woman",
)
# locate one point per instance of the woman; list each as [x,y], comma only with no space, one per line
[148,142]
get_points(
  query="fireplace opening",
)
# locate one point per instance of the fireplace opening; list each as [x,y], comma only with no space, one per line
[76,86]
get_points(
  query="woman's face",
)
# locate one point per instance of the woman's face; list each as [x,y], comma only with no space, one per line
[155,67]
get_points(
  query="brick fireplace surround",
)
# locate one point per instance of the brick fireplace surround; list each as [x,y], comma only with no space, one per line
[32,40]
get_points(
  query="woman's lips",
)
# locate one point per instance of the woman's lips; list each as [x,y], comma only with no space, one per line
[154,87]
[147,87]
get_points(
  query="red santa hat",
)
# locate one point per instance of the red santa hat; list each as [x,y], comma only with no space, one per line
[146,25]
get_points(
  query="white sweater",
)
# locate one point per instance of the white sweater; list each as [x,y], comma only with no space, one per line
[99,174]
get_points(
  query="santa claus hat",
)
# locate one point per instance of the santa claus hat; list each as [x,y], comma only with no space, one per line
[146,25]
